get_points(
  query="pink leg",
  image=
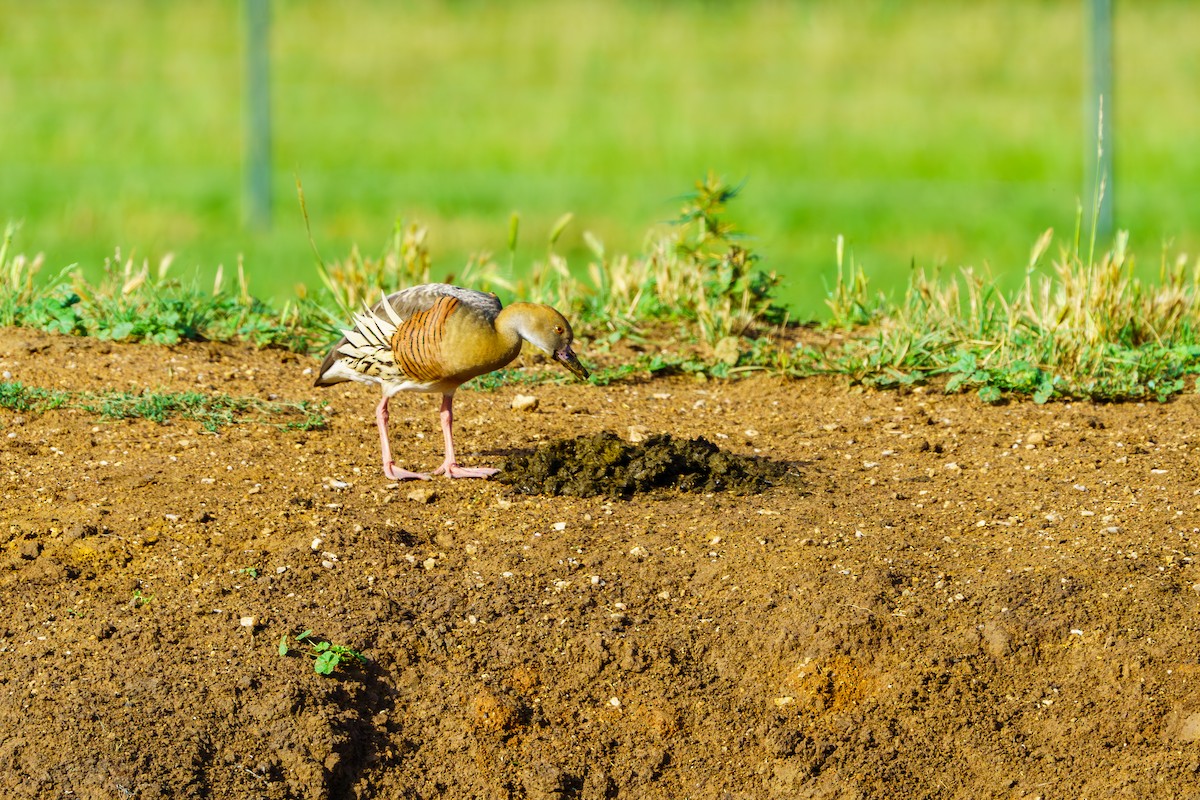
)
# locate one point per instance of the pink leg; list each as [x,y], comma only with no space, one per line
[389,467]
[450,466]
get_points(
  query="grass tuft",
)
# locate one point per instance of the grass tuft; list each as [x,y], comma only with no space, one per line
[213,412]
[1085,329]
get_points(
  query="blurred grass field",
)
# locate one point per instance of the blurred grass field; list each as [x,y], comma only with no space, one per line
[928,132]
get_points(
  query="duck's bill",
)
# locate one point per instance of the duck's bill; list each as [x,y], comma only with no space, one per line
[571,362]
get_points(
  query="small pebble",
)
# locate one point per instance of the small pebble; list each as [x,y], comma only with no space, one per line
[422,495]
[248,622]
[524,402]
[316,544]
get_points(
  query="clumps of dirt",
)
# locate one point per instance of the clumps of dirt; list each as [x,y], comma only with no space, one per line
[604,464]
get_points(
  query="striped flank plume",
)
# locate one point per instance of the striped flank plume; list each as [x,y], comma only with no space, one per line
[417,341]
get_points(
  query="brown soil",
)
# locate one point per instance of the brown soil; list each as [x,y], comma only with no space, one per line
[951,600]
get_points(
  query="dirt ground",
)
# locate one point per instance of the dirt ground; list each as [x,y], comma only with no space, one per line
[952,600]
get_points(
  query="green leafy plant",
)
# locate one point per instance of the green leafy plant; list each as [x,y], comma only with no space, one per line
[327,657]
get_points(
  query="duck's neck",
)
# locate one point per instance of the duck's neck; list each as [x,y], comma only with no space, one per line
[511,323]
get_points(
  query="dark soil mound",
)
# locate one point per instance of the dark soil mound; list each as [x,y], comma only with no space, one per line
[604,464]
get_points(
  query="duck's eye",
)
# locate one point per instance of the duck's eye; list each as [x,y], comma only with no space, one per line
[558,329]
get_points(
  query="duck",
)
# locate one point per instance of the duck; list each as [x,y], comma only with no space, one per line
[434,338]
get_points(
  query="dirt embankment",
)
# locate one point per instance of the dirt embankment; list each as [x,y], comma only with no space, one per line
[946,599]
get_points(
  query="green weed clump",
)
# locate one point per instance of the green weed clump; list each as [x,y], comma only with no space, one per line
[132,303]
[1088,328]
[212,411]
[700,271]
[326,655]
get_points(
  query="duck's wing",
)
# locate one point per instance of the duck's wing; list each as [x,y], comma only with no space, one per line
[368,348]
[417,299]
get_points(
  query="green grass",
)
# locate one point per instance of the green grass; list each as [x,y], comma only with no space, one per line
[942,133]
[1084,326]
[1088,329]
[212,411]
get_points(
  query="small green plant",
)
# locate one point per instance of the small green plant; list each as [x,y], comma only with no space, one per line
[699,271]
[212,411]
[849,301]
[139,600]
[15,396]
[327,657]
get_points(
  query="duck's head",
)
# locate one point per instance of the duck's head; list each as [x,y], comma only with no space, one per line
[548,330]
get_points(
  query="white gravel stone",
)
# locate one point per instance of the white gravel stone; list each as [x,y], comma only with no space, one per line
[524,402]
